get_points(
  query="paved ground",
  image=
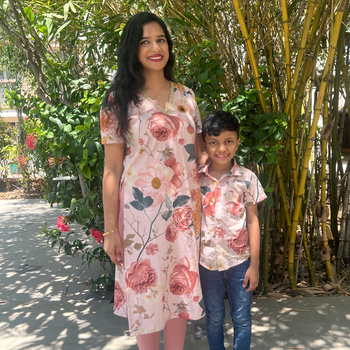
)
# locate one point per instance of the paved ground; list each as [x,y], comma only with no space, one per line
[44,303]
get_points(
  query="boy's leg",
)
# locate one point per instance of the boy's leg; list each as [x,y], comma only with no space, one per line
[240,302]
[148,341]
[213,288]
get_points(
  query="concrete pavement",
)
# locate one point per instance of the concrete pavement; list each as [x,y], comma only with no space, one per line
[46,305]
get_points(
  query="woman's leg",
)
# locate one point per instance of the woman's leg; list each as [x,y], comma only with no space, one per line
[148,341]
[174,334]
[213,289]
[240,302]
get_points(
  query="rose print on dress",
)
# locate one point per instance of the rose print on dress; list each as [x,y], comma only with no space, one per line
[119,297]
[182,280]
[239,243]
[164,127]
[171,233]
[140,276]
[151,249]
[183,218]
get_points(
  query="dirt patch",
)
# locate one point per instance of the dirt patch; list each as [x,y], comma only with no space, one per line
[16,191]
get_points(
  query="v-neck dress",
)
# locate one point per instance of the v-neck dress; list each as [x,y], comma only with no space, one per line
[159,211]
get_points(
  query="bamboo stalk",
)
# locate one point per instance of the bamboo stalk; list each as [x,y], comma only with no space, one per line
[250,52]
[266,250]
[303,175]
[286,41]
[304,36]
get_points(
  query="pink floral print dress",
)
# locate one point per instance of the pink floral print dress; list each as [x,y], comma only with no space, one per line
[159,212]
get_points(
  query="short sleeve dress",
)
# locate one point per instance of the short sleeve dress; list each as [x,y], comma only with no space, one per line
[159,211]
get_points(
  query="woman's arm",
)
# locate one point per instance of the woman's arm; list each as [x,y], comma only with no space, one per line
[200,154]
[113,169]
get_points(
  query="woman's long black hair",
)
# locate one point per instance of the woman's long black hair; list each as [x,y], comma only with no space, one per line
[129,80]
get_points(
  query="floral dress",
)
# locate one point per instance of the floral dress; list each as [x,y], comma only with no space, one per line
[159,211]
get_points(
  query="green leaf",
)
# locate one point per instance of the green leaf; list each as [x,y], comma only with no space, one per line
[62,27]
[203,77]
[272,158]
[86,172]
[50,135]
[84,212]
[181,201]
[68,249]
[29,13]
[49,25]
[66,10]
[269,199]
[214,81]
[72,7]
[86,154]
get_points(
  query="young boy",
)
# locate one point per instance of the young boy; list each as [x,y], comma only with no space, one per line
[230,235]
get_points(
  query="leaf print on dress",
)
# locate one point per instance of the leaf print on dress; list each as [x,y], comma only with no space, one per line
[164,127]
[154,181]
[182,280]
[140,276]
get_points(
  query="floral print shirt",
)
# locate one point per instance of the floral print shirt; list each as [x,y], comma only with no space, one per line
[224,237]
[159,211]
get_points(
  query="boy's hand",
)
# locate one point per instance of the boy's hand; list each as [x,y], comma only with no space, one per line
[252,275]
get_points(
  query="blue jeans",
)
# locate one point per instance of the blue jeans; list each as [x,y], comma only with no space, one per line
[213,287]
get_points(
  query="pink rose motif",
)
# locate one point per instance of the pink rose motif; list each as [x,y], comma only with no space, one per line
[140,276]
[119,297]
[141,142]
[193,195]
[108,120]
[154,180]
[170,233]
[196,299]
[239,243]
[178,168]
[220,233]
[234,208]
[181,142]
[183,217]
[164,127]
[182,280]
[151,249]
[210,200]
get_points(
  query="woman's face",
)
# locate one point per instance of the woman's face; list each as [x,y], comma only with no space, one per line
[153,48]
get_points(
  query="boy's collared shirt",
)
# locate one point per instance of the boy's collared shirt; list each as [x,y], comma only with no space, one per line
[224,237]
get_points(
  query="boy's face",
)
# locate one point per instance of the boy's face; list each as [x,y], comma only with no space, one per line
[221,149]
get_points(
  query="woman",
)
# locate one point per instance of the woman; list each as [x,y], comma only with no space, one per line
[149,126]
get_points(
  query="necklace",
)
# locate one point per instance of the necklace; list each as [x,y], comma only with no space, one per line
[155,97]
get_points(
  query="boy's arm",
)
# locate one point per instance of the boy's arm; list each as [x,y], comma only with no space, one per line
[252,274]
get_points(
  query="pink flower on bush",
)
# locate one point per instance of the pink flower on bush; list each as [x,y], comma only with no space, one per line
[62,223]
[98,235]
[183,280]
[140,276]
[31,141]
[151,249]
[239,243]
[22,161]
[164,127]
[119,297]
[183,217]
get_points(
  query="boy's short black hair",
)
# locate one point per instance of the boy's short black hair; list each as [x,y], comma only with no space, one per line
[219,121]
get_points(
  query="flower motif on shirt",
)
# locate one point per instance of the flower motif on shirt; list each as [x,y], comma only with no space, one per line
[154,181]
[234,208]
[182,280]
[210,200]
[179,87]
[109,122]
[140,276]
[239,242]
[164,127]
[171,233]
[219,231]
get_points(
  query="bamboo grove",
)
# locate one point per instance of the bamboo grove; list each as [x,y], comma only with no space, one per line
[299,45]
[282,65]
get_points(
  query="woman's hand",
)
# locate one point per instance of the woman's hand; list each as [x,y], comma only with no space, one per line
[113,247]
